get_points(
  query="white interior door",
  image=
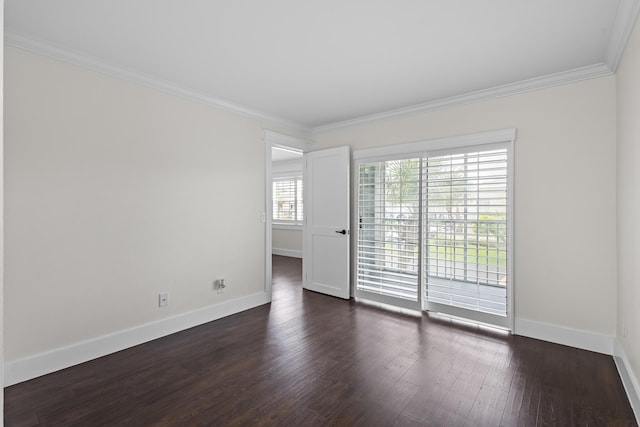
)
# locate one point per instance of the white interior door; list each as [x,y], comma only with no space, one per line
[327,235]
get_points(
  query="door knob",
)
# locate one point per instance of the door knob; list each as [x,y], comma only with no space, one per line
[341,231]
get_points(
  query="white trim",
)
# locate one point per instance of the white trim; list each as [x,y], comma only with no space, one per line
[557,79]
[44,363]
[578,338]
[267,218]
[82,60]
[278,139]
[626,17]
[627,13]
[629,380]
[287,252]
[411,148]
[511,233]
[2,233]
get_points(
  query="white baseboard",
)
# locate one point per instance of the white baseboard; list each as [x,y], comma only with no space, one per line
[287,252]
[44,363]
[629,380]
[566,336]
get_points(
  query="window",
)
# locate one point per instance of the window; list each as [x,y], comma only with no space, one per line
[434,226]
[287,200]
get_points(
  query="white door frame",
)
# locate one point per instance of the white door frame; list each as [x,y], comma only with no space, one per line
[279,140]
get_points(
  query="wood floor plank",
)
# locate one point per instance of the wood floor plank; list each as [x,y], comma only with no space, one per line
[308,359]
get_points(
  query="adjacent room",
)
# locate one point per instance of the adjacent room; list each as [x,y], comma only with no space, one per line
[321,213]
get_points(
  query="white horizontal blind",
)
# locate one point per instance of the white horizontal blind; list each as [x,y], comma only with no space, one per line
[465,208]
[287,200]
[389,228]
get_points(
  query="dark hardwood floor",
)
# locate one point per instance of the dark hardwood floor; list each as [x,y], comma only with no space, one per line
[308,359]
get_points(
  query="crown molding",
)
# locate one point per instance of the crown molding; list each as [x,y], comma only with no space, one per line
[626,18]
[557,79]
[58,53]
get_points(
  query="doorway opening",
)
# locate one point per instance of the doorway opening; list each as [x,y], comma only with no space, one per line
[284,199]
[287,202]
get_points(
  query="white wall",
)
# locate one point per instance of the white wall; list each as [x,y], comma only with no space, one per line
[114,193]
[628,111]
[565,159]
[287,241]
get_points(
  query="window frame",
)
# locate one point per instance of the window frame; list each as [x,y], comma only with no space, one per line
[445,146]
[288,224]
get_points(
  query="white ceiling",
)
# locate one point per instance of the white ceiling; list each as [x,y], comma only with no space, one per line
[316,63]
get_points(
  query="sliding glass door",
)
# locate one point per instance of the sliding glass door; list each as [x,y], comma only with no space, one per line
[466,234]
[389,229]
[434,232]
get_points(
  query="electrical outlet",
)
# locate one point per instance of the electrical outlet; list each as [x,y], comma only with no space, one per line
[219,285]
[163,299]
